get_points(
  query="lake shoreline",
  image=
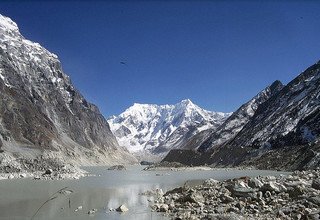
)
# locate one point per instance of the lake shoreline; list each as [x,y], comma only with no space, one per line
[38,168]
[46,175]
[60,171]
[68,171]
[176,166]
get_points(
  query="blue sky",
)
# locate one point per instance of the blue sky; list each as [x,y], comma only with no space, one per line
[219,54]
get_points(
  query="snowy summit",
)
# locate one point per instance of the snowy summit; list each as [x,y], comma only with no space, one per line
[159,128]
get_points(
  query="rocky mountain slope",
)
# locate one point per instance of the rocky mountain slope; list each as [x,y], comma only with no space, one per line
[283,126]
[42,114]
[234,124]
[159,128]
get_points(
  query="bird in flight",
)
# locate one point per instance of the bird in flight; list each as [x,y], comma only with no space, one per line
[123,63]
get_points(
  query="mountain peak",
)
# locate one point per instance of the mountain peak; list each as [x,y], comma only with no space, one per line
[276,86]
[137,105]
[153,127]
[8,24]
[276,83]
[186,101]
[140,107]
[186,104]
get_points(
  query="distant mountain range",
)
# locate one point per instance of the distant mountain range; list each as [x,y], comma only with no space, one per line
[278,128]
[160,128]
[42,114]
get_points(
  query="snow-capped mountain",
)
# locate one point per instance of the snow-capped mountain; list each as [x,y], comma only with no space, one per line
[292,117]
[282,132]
[42,113]
[234,124]
[159,128]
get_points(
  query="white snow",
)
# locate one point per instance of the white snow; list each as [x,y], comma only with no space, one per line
[4,80]
[153,125]
[1,76]
[54,79]
[7,24]
[27,56]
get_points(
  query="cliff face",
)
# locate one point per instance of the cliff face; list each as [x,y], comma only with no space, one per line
[212,138]
[42,113]
[291,117]
[282,131]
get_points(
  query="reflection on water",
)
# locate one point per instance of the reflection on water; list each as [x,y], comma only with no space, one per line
[19,199]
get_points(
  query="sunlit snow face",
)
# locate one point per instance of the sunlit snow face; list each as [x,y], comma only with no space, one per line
[148,126]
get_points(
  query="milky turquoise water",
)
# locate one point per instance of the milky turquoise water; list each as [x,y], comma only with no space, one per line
[20,198]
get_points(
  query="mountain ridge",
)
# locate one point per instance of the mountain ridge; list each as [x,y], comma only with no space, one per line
[288,119]
[239,118]
[161,127]
[42,113]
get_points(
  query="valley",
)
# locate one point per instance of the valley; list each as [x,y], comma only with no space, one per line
[62,158]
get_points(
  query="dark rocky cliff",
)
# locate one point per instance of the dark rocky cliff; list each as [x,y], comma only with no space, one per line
[42,113]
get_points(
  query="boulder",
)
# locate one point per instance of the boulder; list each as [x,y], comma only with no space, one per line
[156,192]
[316,184]
[117,167]
[175,190]
[48,172]
[255,183]
[11,176]
[271,186]
[314,216]
[259,195]
[243,192]
[144,163]
[294,192]
[163,208]
[159,192]
[240,205]
[210,182]
[92,211]
[122,208]
[315,200]
[192,197]
[268,194]
[226,199]
[79,208]
[23,175]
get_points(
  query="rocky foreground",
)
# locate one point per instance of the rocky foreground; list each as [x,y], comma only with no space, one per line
[296,196]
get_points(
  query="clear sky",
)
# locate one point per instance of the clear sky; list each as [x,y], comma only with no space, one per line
[219,54]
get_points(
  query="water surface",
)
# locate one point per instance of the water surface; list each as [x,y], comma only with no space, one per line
[20,198]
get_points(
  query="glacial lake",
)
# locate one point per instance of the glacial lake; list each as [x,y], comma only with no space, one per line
[20,198]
